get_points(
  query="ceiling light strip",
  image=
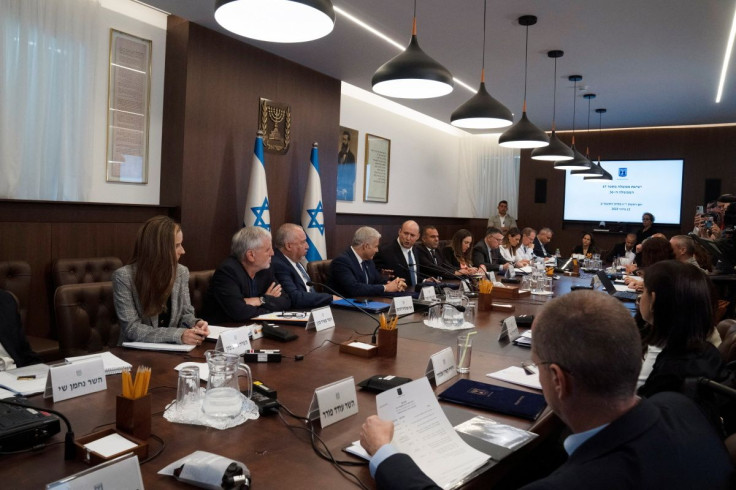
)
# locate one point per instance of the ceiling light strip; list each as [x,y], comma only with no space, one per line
[726,59]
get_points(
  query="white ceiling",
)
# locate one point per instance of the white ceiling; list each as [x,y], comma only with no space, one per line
[650,62]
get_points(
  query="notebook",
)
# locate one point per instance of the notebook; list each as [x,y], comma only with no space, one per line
[111,363]
[159,346]
[485,396]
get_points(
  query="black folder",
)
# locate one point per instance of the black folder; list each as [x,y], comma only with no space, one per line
[509,401]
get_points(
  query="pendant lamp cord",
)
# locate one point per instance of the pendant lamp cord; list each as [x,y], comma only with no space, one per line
[526,63]
[600,130]
[587,146]
[554,98]
[574,95]
[483,61]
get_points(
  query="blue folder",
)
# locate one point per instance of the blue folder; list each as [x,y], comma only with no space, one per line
[509,401]
[369,306]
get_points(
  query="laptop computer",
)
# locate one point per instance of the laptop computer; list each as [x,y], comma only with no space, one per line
[611,289]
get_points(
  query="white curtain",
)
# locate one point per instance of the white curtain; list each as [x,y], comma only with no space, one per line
[489,173]
[47,63]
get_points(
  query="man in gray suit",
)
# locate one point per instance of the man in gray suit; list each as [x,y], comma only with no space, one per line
[503,221]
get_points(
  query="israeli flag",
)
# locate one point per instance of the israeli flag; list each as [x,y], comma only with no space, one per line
[313,217]
[256,201]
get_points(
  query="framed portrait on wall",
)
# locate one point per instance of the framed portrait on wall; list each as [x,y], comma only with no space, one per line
[377,166]
[348,145]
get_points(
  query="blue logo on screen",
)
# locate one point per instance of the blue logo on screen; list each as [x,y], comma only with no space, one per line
[622,172]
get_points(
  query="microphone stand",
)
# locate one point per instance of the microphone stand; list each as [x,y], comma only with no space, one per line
[354,303]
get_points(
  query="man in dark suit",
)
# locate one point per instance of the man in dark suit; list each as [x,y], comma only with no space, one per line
[543,238]
[291,247]
[626,249]
[243,286]
[618,440]
[353,273]
[430,260]
[14,348]
[487,252]
[398,257]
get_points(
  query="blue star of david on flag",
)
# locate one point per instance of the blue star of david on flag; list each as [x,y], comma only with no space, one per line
[259,211]
[313,215]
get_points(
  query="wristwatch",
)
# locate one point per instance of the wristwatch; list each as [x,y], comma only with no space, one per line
[263,300]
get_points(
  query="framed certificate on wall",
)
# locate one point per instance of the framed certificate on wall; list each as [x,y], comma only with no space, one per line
[129,95]
[377,166]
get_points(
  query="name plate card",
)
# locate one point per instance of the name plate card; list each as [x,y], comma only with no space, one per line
[321,319]
[441,366]
[67,381]
[509,329]
[402,305]
[234,340]
[333,402]
[428,293]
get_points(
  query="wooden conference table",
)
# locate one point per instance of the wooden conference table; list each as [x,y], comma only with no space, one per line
[277,456]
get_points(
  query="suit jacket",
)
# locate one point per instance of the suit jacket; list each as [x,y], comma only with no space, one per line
[428,266]
[293,285]
[134,325]
[12,337]
[492,262]
[347,278]
[663,442]
[539,249]
[230,284]
[495,221]
[618,250]
[390,256]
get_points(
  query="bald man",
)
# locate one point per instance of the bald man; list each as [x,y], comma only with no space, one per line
[399,255]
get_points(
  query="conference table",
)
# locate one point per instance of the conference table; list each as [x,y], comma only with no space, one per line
[276,455]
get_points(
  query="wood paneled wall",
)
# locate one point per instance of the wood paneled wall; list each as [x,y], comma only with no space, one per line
[708,153]
[213,87]
[41,232]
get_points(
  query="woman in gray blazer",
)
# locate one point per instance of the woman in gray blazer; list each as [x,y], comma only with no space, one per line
[151,293]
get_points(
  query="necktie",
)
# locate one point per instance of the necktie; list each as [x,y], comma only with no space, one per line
[365,271]
[432,252]
[412,269]
[305,276]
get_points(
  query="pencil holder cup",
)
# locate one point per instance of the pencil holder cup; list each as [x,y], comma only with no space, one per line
[134,416]
[387,340]
[485,302]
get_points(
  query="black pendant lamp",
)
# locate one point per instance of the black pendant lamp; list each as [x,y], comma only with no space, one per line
[283,21]
[579,162]
[594,170]
[557,150]
[412,74]
[482,111]
[524,134]
[606,174]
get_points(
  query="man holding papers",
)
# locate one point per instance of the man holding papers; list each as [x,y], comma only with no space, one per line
[588,351]
[291,247]
[243,286]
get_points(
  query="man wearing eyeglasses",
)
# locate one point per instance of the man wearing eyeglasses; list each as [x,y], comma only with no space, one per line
[291,247]
[588,351]
[487,252]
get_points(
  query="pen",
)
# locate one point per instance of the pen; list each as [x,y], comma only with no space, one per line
[529,368]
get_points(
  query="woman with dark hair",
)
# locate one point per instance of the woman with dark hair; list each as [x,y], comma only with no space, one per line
[151,293]
[678,306]
[647,229]
[654,249]
[459,253]
[587,246]
[510,244]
